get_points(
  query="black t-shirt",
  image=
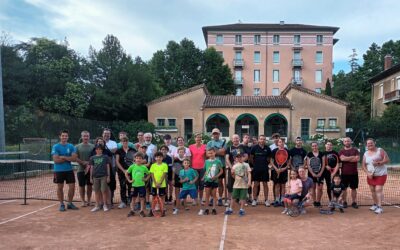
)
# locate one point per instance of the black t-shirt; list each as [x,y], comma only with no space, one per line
[232,151]
[318,165]
[260,156]
[274,154]
[330,158]
[168,160]
[297,156]
[337,189]
[126,158]
[247,150]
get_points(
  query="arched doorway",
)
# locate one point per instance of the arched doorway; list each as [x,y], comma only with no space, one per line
[246,124]
[275,123]
[219,121]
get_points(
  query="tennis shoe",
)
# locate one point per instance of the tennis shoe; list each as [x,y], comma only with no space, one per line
[354,205]
[345,204]
[206,212]
[122,205]
[284,211]
[62,208]
[254,203]
[201,212]
[276,204]
[71,206]
[267,203]
[241,212]
[142,214]
[220,204]
[373,207]
[341,210]
[379,210]
[163,213]
[131,213]
[105,208]
[95,209]
[175,212]
[228,212]
[150,214]
[214,211]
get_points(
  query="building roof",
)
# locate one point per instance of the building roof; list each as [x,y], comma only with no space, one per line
[246,101]
[313,93]
[260,27]
[384,74]
[182,92]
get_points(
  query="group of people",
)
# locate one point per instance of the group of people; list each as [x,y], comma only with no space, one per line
[213,174]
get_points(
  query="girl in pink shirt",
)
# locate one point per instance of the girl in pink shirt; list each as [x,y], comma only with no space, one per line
[295,188]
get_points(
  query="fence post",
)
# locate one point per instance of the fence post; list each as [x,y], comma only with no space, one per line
[25,182]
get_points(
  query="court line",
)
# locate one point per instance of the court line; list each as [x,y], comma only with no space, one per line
[4,202]
[223,235]
[24,215]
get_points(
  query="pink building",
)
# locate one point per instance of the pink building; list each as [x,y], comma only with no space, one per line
[265,58]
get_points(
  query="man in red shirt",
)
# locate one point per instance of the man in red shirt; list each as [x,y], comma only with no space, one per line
[349,157]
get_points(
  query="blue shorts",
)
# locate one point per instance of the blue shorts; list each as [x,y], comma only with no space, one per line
[191,192]
[139,191]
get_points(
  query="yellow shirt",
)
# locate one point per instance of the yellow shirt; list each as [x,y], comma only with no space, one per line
[158,171]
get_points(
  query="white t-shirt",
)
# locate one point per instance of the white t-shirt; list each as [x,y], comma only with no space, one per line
[187,153]
[171,149]
[376,170]
[151,150]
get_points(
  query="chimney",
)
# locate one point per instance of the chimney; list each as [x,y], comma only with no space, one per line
[388,62]
[282,22]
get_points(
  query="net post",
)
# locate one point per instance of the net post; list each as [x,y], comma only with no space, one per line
[25,182]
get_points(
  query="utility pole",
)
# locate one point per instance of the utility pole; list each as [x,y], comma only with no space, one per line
[2,132]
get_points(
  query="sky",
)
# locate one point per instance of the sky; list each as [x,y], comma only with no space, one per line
[143,27]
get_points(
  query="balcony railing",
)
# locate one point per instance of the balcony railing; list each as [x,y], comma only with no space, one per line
[297,62]
[327,129]
[238,62]
[238,81]
[297,81]
[393,96]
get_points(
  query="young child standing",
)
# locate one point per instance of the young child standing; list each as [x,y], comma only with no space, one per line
[177,166]
[159,172]
[139,174]
[147,163]
[241,172]
[295,188]
[100,177]
[213,169]
[168,160]
[188,177]
[337,189]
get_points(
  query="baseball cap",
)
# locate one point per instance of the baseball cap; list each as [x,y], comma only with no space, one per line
[167,137]
[215,131]
[274,135]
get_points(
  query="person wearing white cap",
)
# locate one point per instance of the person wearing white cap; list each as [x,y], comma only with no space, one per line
[220,146]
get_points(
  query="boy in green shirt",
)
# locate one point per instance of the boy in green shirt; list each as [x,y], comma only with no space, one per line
[213,169]
[158,172]
[188,177]
[139,174]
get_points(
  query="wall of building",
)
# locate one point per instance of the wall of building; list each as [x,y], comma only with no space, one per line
[377,100]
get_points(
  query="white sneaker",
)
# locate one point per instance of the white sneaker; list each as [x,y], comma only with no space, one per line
[201,212]
[175,212]
[122,205]
[379,210]
[373,207]
[267,204]
[105,208]
[95,209]
[254,203]
[284,211]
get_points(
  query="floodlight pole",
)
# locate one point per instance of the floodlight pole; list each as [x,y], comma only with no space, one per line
[2,132]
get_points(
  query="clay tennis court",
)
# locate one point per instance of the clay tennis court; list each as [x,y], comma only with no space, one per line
[43,227]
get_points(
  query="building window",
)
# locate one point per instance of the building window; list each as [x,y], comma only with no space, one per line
[160,122]
[276,39]
[257,75]
[319,39]
[220,39]
[238,39]
[297,55]
[296,40]
[319,57]
[275,91]
[221,53]
[238,55]
[238,91]
[256,91]
[381,91]
[332,122]
[276,57]
[257,57]
[318,76]
[318,90]
[321,123]
[398,83]
[257,39]
[172,122]
[275,75]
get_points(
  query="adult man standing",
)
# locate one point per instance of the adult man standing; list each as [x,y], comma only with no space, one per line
[231,152]
[63,154]
[83,151]
[112,146]
[220,149]
[121,135]
[151,148]
[349,157]
[297,154]
[259,157]
[140,142]
[168,143]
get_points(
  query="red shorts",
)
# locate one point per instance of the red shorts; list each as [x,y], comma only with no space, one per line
[377,180]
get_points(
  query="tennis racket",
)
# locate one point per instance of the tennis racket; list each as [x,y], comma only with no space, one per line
[315,164]
[157,206]
[281,157]
[297,161]
[332,161]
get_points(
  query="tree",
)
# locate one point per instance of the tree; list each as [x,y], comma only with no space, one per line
[354,62]
[328,88]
